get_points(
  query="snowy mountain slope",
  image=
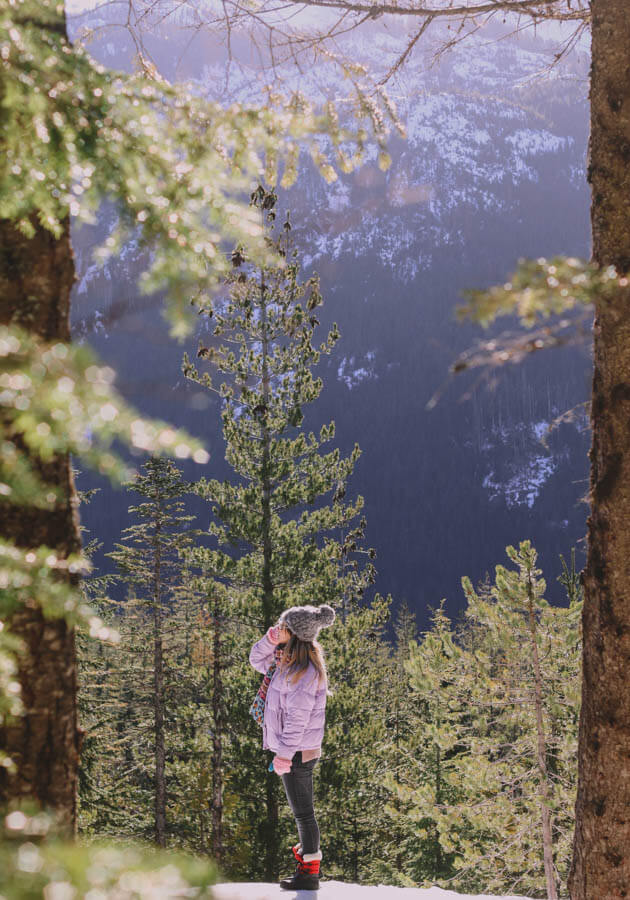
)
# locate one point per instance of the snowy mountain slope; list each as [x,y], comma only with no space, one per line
[492,169]
[481,127]
[337,890]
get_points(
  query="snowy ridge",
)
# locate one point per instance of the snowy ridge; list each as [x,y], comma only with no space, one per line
[478,134]
[481,128]
[522,475]
[331,890]
[523,487]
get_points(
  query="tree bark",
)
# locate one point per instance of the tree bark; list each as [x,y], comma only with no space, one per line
[601,857]
[36,277]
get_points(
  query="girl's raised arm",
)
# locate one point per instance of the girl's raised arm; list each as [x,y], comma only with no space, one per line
[261,654]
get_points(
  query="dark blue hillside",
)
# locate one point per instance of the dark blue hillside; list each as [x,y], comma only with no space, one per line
[445,489]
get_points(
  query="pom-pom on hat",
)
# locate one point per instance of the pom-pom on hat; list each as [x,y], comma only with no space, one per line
[306,621]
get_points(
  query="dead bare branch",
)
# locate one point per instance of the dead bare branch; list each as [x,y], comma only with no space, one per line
[490,355]
[280,42]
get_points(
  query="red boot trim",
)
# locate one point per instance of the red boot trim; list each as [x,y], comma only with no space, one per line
[310,868]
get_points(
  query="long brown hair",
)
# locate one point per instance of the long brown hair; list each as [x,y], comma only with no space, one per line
[297,654]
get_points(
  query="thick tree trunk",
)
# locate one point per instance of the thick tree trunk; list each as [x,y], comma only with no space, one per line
[36,278]
[601,859]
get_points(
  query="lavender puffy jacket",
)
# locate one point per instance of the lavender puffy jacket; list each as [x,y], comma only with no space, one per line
[295,713]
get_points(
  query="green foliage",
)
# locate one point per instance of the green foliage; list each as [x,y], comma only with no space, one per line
[159,536]
[263,343]
[542,288]
[119,690]
[421,785]
[399,834]
[429,773]
[55,399]
[349,794]
[176,165]
[474,784]
[286,535]
[33,863]
[116,775]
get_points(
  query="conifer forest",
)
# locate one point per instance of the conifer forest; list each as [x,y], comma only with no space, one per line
[314,303]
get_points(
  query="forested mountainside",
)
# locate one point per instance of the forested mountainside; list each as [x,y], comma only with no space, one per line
[493,169]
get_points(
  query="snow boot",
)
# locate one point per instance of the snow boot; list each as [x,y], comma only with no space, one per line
[297,852]
[306,877]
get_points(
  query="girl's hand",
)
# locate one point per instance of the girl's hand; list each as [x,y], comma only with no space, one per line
[281,766]
[278,634]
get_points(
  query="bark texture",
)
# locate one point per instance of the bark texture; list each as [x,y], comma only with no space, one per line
[601,858]
[36,278]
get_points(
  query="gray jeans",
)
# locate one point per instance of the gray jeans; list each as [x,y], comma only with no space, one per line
[298,785]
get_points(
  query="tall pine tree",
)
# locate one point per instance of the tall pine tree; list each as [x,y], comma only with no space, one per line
[494,752]
[278,541]
[149,561]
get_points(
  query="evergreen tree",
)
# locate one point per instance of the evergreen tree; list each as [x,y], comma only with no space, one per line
[422,785]
[502,701]
[401,718]
[149,561]
[117,774]
[116,790]
[189,652]
[277,539]
[96,676]
[349,790]
[73,134]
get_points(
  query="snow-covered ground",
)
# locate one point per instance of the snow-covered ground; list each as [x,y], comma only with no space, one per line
[331,890]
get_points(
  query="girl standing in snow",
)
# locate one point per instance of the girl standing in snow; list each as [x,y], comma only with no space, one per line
[294,719]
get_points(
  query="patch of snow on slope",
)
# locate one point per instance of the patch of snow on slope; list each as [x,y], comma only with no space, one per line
[331,890]
[540,430]
[523,488]
[352,374]
[338,196]
[532,142]
[520,478]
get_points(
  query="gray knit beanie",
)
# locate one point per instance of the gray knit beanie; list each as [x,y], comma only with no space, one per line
[306,621]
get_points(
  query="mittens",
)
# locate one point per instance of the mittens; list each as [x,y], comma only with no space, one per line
[281,766]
